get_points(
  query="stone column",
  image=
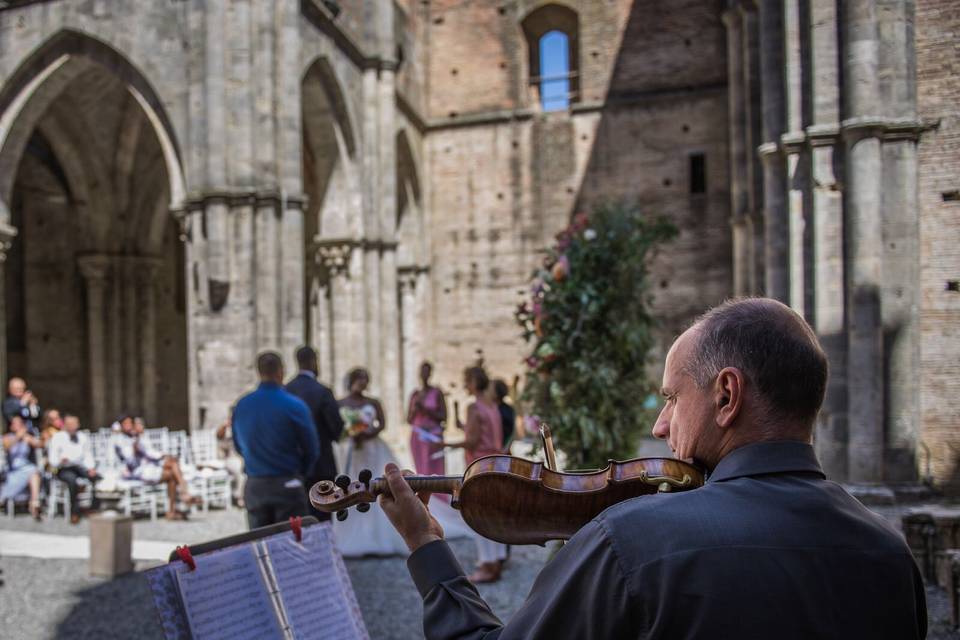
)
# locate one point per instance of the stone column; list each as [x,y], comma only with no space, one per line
[739,214]
[827,220]
[113,359]
[292,278]
[864,233]
[146,272]
[412,353]
[321,334]
[266,267]
[7,234]
[334,259]
[95,269]
[775,220]
[753,135]
[390,339]
[899,293]
[130,362]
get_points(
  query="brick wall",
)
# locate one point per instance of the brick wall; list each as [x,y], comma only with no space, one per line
[938,98]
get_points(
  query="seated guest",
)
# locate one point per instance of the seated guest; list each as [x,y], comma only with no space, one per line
[50,424]
[21,402]
[19,444]
[70,455]
[140,462]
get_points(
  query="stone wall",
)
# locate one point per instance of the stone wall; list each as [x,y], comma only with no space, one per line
[938,101]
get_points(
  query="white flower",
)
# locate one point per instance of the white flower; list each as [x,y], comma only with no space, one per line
[589,234]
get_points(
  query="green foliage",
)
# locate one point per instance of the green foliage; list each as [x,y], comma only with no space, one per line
[590,328]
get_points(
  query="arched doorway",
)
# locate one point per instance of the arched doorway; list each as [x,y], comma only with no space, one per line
[94,283]
[333,225]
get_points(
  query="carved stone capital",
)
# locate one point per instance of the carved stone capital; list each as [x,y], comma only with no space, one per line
[94,268]
[407,277]
[333,256]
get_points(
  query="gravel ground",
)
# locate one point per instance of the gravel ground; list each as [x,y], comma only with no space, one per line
[75,605]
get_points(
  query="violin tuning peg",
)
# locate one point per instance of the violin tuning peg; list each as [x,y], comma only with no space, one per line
[342,515]
[363,507]
[342,481]
[365,476]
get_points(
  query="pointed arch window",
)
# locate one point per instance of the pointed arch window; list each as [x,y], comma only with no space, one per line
[552,39]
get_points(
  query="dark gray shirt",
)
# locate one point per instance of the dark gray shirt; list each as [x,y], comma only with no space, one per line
[768,548]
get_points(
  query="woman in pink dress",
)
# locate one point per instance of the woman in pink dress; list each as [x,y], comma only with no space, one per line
[426,414]
[483,436]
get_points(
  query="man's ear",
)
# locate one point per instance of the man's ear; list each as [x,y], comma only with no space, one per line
[728,396]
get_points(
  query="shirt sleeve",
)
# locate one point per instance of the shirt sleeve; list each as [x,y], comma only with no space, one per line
[586,570]
[307,436]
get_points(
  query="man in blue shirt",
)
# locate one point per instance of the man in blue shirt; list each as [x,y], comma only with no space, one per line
[275,435]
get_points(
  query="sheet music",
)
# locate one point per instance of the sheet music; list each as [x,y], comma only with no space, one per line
[226,597]
[318,605]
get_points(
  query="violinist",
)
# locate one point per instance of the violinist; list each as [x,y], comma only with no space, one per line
[767,548]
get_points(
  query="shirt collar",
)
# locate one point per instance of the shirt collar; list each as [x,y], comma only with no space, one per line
[268,385]
[760,458]
[309,374]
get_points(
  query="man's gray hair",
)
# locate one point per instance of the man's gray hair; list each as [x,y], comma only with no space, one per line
[774,348]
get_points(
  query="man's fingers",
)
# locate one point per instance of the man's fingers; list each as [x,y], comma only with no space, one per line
[398,486]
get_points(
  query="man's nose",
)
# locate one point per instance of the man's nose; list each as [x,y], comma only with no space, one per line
[661,428]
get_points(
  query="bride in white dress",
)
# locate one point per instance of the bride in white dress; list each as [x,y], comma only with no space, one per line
[371,533]
[364,533]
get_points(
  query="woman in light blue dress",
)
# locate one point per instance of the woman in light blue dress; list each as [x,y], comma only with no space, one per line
[19,444]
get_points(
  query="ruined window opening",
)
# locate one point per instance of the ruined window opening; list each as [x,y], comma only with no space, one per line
[698,173]
[551,33]
[555,70]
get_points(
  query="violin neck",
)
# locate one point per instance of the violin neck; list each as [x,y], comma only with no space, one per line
[432,484]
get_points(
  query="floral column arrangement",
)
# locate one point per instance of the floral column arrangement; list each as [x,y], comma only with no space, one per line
[590,328]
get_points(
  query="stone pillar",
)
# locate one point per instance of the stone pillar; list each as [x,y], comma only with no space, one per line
[95,269]
[146,272]
[334,259]
[292,279]
[321,334]
[899,293]
[864,233]
[411,356]
[7,234]
[390,341]
[266,267]
[775,220]
[828,250]
[739,214]
[753,135]
[130,362]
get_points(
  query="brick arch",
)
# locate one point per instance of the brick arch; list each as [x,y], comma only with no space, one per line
[39,81]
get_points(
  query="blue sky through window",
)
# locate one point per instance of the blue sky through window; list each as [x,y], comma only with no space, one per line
[554,71]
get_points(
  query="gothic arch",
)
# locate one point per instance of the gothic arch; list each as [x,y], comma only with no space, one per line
[42,77]
[329,154]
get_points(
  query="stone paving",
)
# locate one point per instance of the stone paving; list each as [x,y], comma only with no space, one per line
[44,598]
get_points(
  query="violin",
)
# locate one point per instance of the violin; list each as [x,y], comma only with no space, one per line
[517,501]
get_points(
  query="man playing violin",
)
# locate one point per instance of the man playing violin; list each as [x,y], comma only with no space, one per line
[768,548]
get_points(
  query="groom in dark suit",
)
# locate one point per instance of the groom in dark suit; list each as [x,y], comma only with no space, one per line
[326,416]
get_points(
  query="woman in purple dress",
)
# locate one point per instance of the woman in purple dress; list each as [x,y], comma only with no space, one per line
[426,414]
